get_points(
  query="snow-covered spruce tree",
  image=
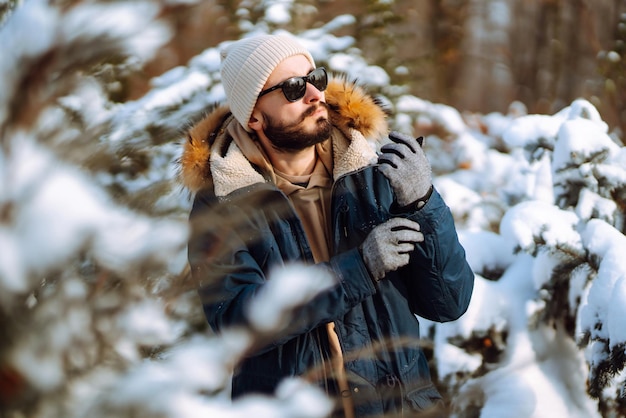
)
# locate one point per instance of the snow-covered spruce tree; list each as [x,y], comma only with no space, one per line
[590,180]
[542,329]
[77,264]
[583,288]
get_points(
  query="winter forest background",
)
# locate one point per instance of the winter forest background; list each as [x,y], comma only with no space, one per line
[523,106]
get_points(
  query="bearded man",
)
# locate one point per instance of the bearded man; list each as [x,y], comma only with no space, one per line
[290,157]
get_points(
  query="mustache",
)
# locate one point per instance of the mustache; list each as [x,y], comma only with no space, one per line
[313,109]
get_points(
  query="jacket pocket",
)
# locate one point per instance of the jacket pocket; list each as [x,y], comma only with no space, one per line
[424,398]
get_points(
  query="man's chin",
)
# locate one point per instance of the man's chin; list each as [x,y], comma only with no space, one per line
[320,120]
[323,128]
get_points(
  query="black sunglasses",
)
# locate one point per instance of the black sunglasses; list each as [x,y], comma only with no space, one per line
[294,88]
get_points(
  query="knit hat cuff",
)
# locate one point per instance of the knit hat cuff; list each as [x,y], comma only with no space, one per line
[246,66]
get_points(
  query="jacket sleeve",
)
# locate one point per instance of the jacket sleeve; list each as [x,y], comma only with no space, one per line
[438,278]
[230,268]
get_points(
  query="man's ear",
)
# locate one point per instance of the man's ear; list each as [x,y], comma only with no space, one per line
[256,120]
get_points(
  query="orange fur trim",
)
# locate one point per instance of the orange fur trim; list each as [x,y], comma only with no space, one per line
[194,166]
[354,108]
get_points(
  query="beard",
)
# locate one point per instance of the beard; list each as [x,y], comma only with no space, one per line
[293,137]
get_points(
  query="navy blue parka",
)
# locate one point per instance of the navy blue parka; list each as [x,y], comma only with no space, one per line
[375,321]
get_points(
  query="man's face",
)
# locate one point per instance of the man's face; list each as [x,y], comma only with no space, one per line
[299,134]
[292,126]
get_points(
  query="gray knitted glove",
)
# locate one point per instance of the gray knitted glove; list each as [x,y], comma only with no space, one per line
[388,245]
[407,168]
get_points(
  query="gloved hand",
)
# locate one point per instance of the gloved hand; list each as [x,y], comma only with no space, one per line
[388,245]
[407,168]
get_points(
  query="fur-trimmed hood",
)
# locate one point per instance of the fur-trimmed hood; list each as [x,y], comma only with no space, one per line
[211,157]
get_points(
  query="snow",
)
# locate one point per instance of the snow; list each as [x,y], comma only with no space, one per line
[530,129]
[616,313]
[290,286]
[125,20]
[603,301]
[32,43]
[533,239]
[614,56]
[278,13]
[577,141]
[176,93]
[321,44]
[439,114]
[148,324]
[493,253]
[523,224]
[60,211]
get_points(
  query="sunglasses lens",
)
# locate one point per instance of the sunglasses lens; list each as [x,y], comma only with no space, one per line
[319,79]
[294,89]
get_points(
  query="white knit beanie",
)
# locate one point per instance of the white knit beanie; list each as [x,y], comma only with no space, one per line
[246,66]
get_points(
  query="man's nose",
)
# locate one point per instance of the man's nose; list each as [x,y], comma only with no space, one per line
[312,94]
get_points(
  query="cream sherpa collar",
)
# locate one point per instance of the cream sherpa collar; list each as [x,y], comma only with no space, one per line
[211,156]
